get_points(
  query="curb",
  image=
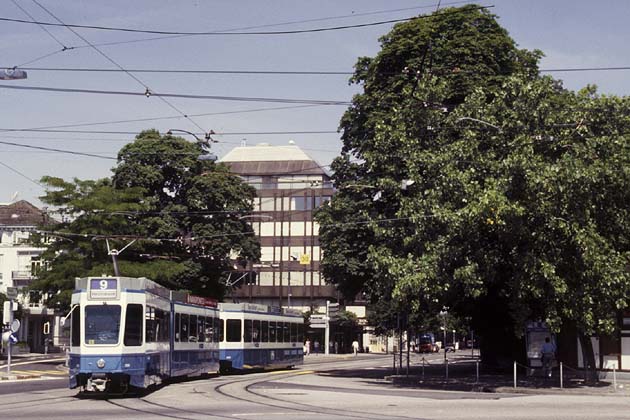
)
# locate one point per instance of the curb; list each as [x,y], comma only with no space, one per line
[18,377]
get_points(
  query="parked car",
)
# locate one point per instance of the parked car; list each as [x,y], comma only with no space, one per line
[427,343]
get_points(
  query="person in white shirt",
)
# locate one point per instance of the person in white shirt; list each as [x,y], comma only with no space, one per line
[355,347]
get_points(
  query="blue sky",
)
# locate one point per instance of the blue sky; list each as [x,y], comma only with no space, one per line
[571,33]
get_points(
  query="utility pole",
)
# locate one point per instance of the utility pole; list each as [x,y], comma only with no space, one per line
[327,331]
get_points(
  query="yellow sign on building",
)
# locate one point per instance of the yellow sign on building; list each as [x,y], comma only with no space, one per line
[305,259]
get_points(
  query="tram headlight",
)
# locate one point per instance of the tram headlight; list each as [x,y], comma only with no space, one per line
[100,363]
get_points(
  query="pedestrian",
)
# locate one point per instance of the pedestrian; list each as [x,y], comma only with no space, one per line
[316,346]
[355,347]
[548,355]
[307,347]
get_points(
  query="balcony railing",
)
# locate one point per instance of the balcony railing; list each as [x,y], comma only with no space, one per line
[22,282]
[21,275]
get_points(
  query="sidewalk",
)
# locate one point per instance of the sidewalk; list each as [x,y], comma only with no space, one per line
[462,376]
[333,357]
[18,359]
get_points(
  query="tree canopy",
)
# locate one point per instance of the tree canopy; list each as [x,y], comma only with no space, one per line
[518,206]
[184,215]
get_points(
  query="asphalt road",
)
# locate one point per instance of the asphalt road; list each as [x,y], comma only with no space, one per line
[350,388]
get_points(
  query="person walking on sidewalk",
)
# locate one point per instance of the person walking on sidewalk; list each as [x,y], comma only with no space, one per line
[355,347]
[307,347]
[548,355]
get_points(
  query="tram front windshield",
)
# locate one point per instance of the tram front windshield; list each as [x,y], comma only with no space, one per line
[102,324]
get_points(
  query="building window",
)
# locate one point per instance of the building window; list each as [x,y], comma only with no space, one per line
[269,183]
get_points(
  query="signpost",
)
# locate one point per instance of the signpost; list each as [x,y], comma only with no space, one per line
[13,325]
[12,293]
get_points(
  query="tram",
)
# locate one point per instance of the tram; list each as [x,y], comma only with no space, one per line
[260,337]
[132,332]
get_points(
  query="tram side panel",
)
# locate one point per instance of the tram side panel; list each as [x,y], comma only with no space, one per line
[195,340]
[257,339]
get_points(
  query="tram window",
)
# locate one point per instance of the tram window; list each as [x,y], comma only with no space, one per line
[208,330]
[233,331]
[272,331]
[166,330]
[76,326]
[192,334]
[221,329]
[102,324]
[300,337]
[183,328]
[256,331]
[177,329]
[133,325]
[201,329]
[264,331]
[248,331]
[293,336]
[280,332]
[151,325]
[287,332]
[159,324]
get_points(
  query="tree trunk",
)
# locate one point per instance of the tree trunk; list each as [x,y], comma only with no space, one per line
[588,356]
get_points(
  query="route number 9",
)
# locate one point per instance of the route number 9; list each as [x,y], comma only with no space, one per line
[103,284]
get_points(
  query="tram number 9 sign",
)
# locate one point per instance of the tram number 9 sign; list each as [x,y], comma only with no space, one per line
[103,288]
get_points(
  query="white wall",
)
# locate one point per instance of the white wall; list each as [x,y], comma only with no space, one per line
[14,256]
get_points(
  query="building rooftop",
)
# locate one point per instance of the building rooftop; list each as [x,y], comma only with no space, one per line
[21,213]
[264,159]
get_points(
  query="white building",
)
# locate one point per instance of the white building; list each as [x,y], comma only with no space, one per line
[20,263]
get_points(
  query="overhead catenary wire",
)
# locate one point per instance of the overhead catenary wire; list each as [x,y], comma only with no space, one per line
[222,235]
[111,60]
[273,72]
[163,118]
[232,33]
[63,46]
[71,152]
[23,175]
[177,95]
[268,25]
[217,133]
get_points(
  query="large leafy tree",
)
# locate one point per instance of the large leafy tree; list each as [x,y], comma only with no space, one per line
[518,208]
[184,215]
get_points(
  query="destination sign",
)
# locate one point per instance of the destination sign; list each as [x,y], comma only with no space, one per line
[201,301]
[103,288]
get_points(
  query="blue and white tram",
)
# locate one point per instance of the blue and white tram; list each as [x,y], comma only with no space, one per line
[258,336]
[134,332]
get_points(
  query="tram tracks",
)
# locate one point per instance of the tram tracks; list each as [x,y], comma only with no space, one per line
[299,408]
[212,398]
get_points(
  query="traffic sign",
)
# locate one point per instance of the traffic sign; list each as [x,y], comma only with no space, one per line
[13,339]
[15,325]
[317,319]
[12,292]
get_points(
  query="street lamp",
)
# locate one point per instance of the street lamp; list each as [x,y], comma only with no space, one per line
[205,144]
[12,74]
